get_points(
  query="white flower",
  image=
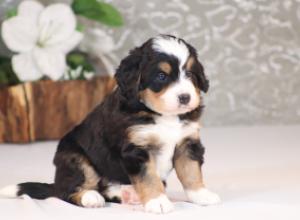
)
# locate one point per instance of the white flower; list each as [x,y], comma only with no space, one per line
[42,36]
[98,43]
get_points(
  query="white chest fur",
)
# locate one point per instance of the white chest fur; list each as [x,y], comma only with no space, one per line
[169,131]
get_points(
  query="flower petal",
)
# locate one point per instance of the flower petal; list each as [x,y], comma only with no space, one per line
[51,63]
[25,67]
[57,23]
[30,9]
[19,34]
[70,44]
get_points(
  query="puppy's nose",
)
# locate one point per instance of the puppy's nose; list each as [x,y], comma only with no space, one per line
[184,98]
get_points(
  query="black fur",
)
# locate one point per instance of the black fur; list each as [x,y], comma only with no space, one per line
[102,137]
[128,74]
[196,150]
[198,71]
[192,115]
[103,187]
[36,190]
[134,158]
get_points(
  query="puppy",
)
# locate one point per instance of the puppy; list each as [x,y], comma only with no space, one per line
[146,127]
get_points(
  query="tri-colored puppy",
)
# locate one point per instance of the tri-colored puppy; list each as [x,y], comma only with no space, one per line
[146,127]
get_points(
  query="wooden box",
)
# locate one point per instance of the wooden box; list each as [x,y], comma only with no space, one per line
[46,110]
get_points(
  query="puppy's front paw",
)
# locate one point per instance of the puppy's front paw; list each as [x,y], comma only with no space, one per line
[203,197]
[159,205]
[92,199]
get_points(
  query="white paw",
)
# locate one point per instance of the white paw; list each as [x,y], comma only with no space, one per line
[92,199]
[159,205]
[203,197]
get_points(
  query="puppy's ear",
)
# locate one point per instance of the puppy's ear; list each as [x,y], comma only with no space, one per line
[128,74]
[198,70]
[202,80]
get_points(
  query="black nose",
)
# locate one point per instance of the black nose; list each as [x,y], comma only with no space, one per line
[184,98]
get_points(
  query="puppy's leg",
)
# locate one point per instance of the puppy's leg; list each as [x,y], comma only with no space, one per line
[149,187]
[76,181]
[188,159]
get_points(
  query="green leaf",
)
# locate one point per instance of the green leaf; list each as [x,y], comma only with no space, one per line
[98,11]
[80,27]
[77,59]
[3,78]
[7,75]
[4,59]
[11,13]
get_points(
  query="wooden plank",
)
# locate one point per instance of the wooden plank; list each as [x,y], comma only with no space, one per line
[58,107]
[46,110]
[14,123]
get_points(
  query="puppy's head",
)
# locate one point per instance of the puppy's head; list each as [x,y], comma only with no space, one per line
[164,74]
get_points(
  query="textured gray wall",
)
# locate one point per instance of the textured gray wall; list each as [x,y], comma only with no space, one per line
[250,49]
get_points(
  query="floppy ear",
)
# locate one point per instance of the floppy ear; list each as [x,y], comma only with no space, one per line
[128,74]
[202,80]
[198,70]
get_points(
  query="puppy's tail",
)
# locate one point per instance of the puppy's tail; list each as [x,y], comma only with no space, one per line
[34,190]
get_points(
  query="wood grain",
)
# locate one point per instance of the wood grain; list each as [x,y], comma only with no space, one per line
[46,110]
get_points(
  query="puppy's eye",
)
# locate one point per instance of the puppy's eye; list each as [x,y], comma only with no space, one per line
[189,74]
[161,76]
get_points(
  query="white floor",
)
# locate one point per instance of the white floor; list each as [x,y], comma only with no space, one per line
[256,171]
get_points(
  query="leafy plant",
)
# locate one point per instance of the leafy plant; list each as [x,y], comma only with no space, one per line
[11,13]
[79,66]
[98,11]
[7,75]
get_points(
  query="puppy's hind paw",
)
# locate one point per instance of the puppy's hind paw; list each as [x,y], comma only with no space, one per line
[92,199]
[203,197]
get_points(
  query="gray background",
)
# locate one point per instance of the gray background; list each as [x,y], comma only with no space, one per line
[250,49]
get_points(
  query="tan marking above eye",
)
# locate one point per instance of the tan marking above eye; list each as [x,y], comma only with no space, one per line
[165,67]
[189,63]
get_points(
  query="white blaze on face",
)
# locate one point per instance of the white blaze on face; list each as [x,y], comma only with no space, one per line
[172,46]
[183,85]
